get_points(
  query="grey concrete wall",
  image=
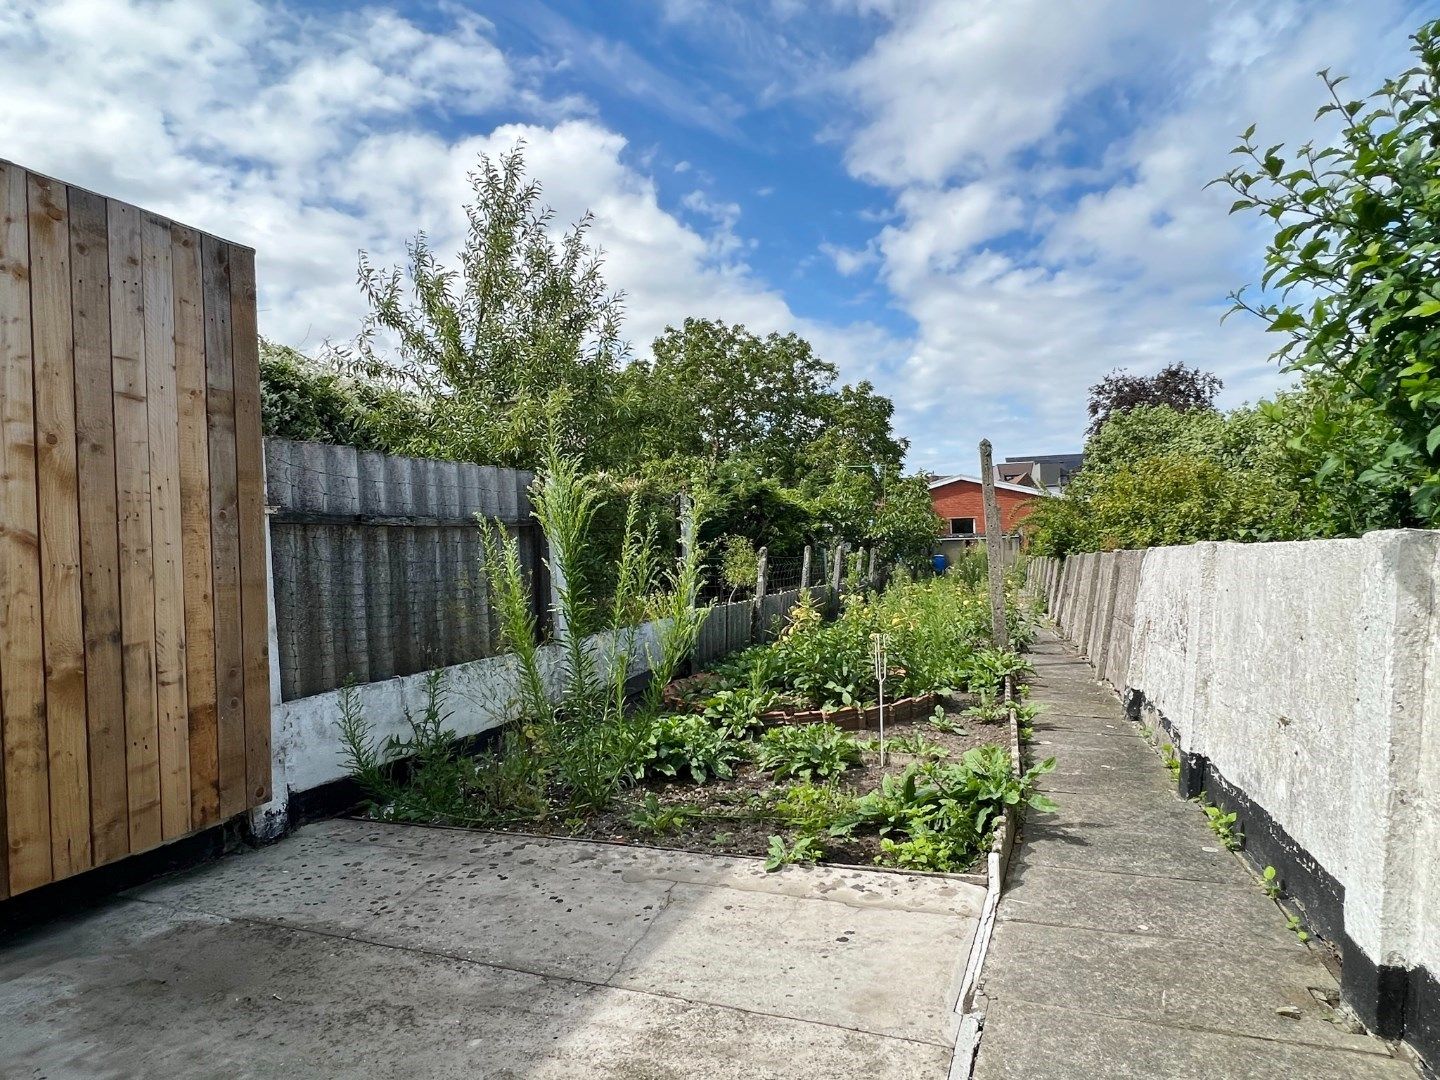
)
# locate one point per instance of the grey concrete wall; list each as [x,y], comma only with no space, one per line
[1303,676]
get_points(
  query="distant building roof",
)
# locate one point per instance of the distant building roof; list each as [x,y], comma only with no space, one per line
[1068,462]
[975,480]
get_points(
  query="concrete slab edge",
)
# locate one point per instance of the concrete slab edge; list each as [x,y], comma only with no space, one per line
[997,862]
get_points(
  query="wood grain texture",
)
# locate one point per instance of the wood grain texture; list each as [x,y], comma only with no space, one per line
[134,622]
[224,527]
[132,485]
[254,560]
[194,452]
[57,498]
[99,547]
[163,437]
[22,661]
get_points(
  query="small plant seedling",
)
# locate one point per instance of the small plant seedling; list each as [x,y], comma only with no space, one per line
[1268,882]
[1223,826]
[653,817]
[806,849]
[1296,927]
[1171,759]
[942,722]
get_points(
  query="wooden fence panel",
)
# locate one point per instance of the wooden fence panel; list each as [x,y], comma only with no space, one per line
[128,382]
[57,496]
[99,542]
[22,658]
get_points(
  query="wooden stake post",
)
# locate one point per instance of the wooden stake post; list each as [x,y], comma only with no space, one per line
[994,549]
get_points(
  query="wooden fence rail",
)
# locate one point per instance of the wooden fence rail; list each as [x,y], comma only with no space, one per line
[134,675]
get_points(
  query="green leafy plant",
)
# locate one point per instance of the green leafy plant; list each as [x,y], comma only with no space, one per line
[654,817]
[990,667]
[1269,883]
[690,747]
[1296,927]
[1350,272]
[939,852]
[417,776]
[941,721]
[813,808]
[806,849]
[917,744]
[1223,826]
[807,751]
[1171,760]
[989,706]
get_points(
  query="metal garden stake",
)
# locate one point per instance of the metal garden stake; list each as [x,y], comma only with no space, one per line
[877,644]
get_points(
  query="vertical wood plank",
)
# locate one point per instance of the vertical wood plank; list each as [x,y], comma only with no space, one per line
[224,527]
[194,454]
[250,483]
[26,787]
[58,500]
[99,548]
[132,486]
[163,437]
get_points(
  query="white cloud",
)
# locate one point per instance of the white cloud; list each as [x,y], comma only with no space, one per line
[1050,221]
[312,139]
[848,261]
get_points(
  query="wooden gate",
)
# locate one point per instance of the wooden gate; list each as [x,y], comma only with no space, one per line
[134,677]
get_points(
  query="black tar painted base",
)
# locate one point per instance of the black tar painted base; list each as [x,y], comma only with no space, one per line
[1393,1002]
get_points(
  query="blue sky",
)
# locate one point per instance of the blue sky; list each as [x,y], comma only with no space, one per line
[983,207]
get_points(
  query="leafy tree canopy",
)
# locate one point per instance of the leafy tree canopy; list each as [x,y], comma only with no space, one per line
[523,336]
[481,361]
[1353,271]
[1179,387]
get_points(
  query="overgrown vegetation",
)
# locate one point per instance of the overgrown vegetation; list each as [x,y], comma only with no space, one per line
[584,746]
[483,360]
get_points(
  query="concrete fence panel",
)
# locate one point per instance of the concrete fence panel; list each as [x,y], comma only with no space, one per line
[1296,680]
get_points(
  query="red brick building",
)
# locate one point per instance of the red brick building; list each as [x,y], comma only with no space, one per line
[961,506]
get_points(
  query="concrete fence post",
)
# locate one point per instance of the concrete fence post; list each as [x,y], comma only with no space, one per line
[1390,811]
[805,569]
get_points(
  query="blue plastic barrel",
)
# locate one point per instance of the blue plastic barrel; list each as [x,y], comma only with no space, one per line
[939,562]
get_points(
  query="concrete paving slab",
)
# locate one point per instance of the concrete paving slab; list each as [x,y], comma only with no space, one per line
[143,990]
[1105,780]
[1142,810]
[1227,914]
[371,950]
[1127,755]
[1155,852]
[1063,1044]
[549,910]
[870,969]
[309,881]
[1099,723]
[1132,977]
[1052,739]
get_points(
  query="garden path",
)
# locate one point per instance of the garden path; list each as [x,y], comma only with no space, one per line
[1129,942]
[356,949]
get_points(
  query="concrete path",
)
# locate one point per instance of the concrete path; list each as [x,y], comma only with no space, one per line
[360,950]
[1130,943]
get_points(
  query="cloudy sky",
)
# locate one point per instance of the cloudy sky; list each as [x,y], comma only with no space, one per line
[981,206]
